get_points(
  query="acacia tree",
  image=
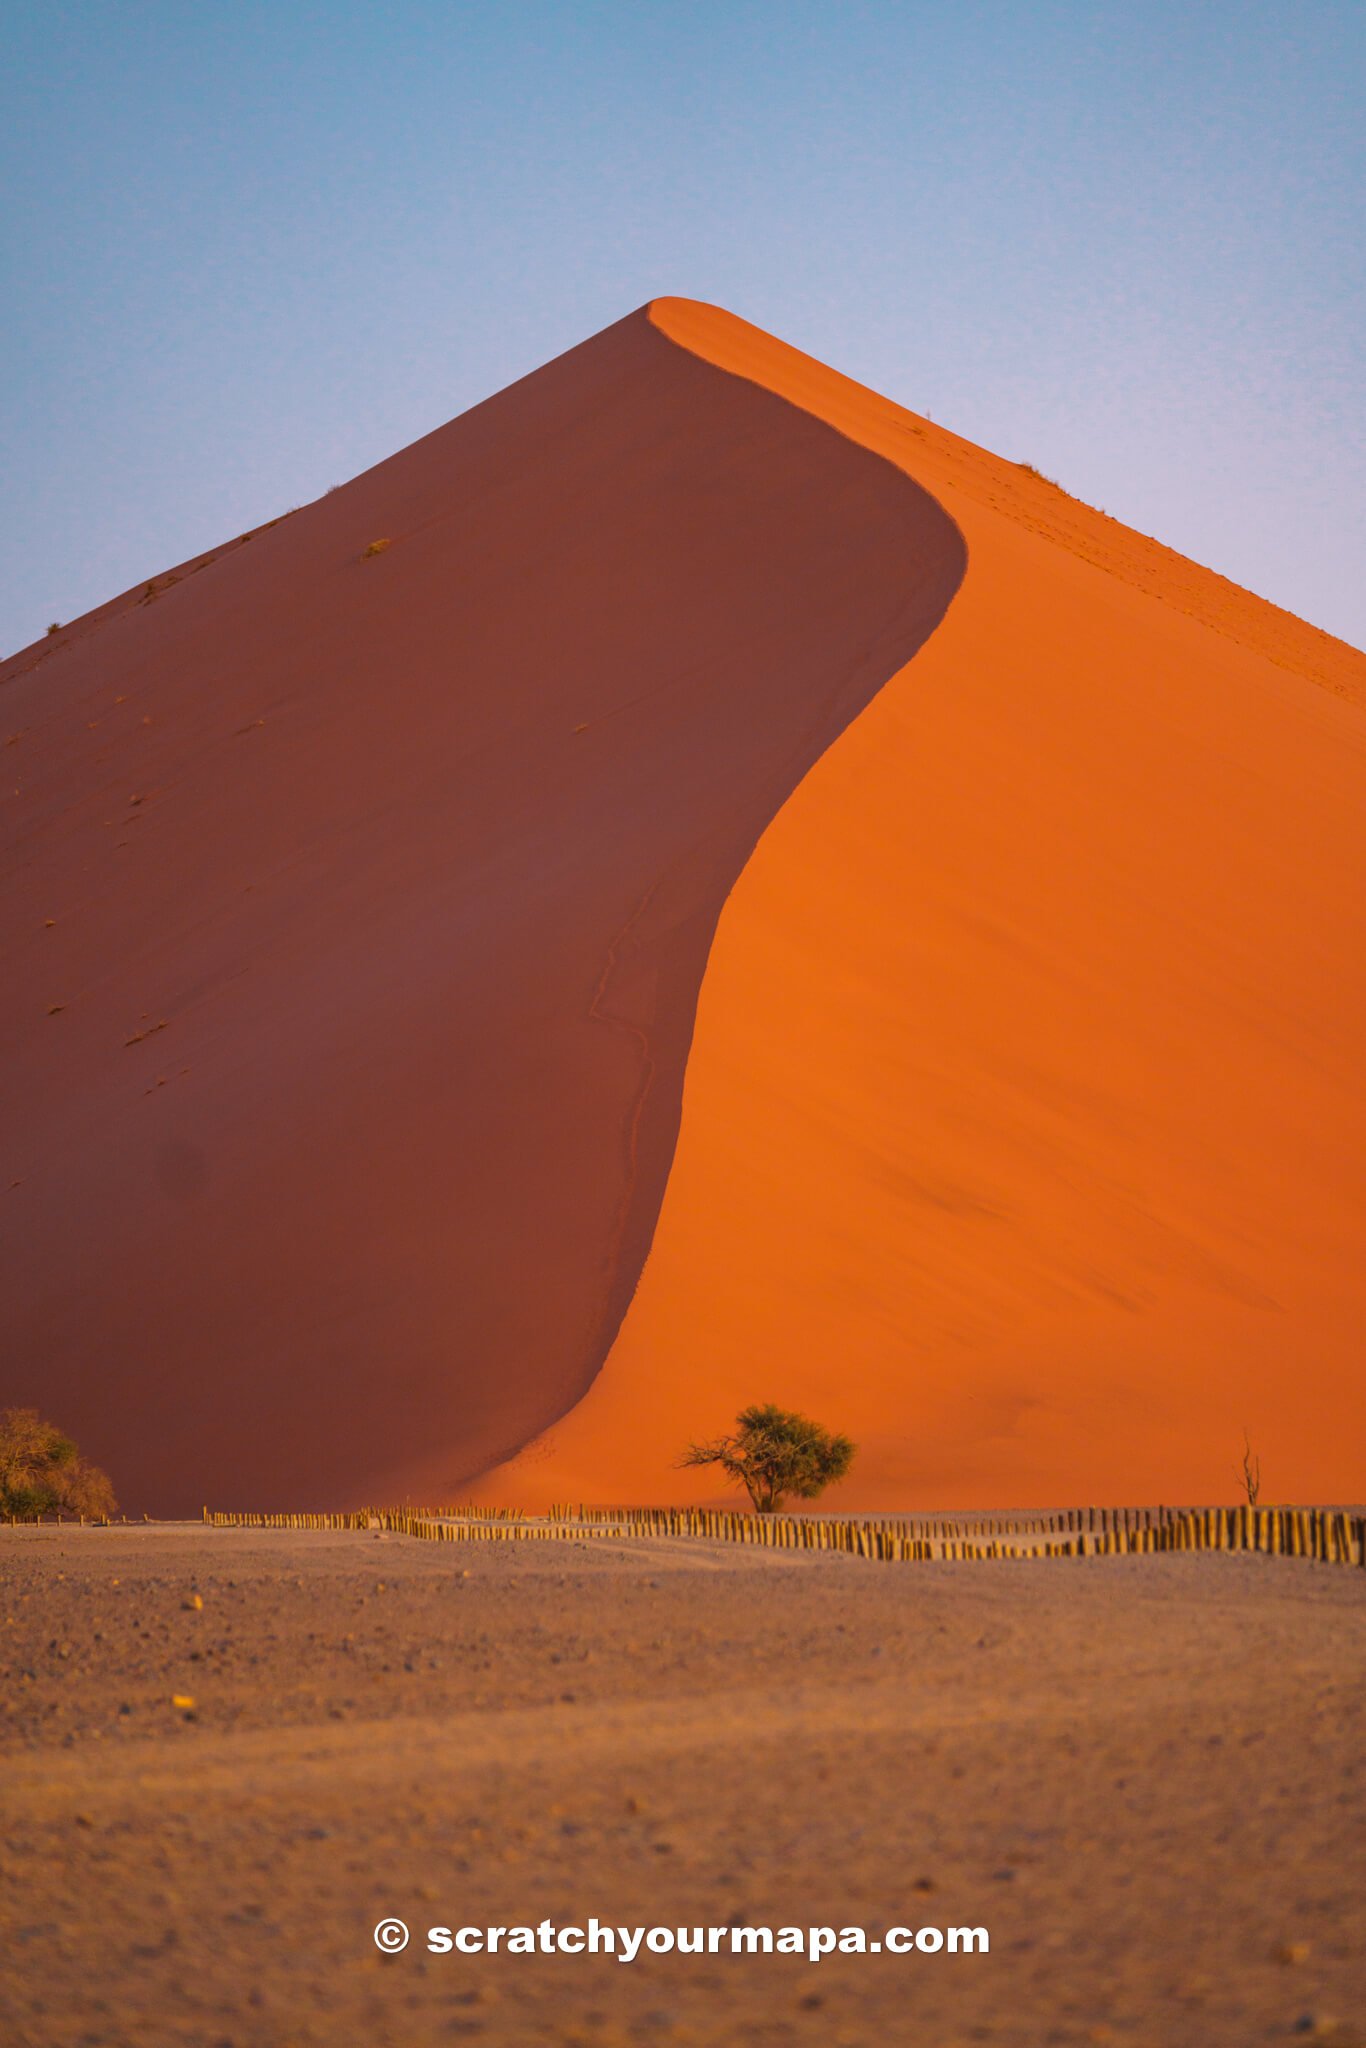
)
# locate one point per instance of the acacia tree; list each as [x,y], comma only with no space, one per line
[43,1473]
[774,1453]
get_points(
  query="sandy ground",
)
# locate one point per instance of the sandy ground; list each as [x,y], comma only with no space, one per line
[1143,1776]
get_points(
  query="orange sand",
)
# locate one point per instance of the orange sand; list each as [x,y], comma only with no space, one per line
[1023,1126]
[1024,1133]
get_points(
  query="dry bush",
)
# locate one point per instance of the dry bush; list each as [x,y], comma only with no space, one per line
[43,1473]
[1250,1476]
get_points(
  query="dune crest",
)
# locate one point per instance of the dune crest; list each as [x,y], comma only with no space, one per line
[1023,1128]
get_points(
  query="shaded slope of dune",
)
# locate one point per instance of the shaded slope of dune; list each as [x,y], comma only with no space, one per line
[355,906]
[1024,1129]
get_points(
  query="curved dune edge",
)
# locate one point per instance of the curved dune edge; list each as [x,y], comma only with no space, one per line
[1023,1125]
[358,899]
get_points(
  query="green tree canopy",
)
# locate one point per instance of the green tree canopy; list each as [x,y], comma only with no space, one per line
[775,1453]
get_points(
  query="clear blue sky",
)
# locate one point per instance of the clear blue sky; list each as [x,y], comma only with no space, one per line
[249,247]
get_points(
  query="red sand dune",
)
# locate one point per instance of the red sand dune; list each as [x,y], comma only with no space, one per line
[381,887]
[1022,1131]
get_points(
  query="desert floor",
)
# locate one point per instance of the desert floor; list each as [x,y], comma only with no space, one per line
[1144,1776]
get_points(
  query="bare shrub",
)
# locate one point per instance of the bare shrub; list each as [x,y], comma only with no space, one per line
[43,1473]
[1250,1476]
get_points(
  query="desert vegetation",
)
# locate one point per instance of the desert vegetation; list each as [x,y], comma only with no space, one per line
[43,1473]
[776,1453]
[1250,1472]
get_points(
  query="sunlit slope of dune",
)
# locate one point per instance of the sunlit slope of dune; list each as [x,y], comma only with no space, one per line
[1024,1129]
[356,899]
